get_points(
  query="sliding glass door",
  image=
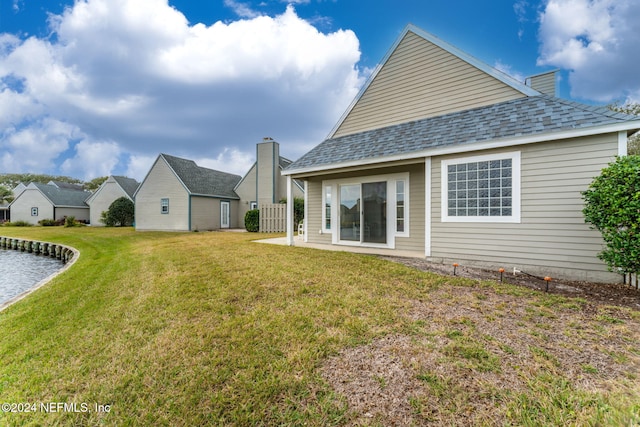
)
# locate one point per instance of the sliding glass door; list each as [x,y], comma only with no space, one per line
[350,212]
[374,223]
[363,212]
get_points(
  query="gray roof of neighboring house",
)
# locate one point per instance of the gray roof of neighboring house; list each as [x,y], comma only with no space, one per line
[203,181]
[63,196]
[529,116]
[66,185]
[129,185]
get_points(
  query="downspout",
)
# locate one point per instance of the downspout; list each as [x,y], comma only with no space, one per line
[189,213]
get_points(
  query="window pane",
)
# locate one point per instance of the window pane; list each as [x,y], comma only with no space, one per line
[480,188]
[327,208]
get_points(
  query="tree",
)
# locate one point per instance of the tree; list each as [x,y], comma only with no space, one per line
[95,183]
[120,214]
[612,206]
[6,195]
[633,108]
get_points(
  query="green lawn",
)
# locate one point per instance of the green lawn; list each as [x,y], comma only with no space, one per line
[214,329]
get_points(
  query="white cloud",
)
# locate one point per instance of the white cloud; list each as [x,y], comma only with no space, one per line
[36,147]
[241,9]
[137,74]
[231,161]
[597,41]
[508,69]
[92,159]
[138,166]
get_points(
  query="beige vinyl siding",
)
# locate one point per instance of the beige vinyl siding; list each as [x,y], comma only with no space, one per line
[31,198]
[161,183]
[81,214]
[552,238]
[416,193]
[205,213]
[422,80]
[314,213]
[267,173]
[100,202]
[246,190]
[545,83]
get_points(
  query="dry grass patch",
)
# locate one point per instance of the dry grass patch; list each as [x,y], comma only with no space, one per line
[479,353]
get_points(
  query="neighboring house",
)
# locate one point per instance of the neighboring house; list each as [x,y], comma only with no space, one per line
[264,183]
[110,190]
[178,195]
[5,212]
[43,201]
[444,157]
[66,185]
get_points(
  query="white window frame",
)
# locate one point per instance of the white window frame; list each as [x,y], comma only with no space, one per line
[34,211]
[515,188]
[324,228]
[162,205]
[253,205]
[390,179]
[404,233]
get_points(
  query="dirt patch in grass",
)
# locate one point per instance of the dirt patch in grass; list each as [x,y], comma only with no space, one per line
[597,293]
[481,354]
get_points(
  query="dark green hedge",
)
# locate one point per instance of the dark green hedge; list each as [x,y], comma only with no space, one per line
[252,220]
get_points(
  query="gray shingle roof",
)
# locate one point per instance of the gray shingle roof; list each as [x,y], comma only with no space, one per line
[65,185]
[534,115]
[203,181]
[63,196]
[129,185]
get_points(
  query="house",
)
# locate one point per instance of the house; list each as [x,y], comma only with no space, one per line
[110,190]
[444,157]
[66,185]
[178,195]
[264,182]
[43,201]
[5,213]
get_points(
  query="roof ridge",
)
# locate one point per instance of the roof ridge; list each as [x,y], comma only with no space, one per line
[601,109]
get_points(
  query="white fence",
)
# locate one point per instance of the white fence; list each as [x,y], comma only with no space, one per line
[273,218]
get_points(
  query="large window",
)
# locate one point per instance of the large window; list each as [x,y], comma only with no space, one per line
[370,210]
[482,188]
[164,206]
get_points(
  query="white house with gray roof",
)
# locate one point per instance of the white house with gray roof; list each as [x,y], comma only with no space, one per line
[43,201]
[444,157]
[178,195]
[109,191]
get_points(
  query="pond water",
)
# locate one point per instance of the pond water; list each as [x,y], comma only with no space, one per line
[20,271]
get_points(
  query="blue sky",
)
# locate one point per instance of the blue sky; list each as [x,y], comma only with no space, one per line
[98,87]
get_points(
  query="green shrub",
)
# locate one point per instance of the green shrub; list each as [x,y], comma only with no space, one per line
[612,206]
[18,224]
[70,221]
[48,222]
[120,214]
[252,220]
[298,210]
